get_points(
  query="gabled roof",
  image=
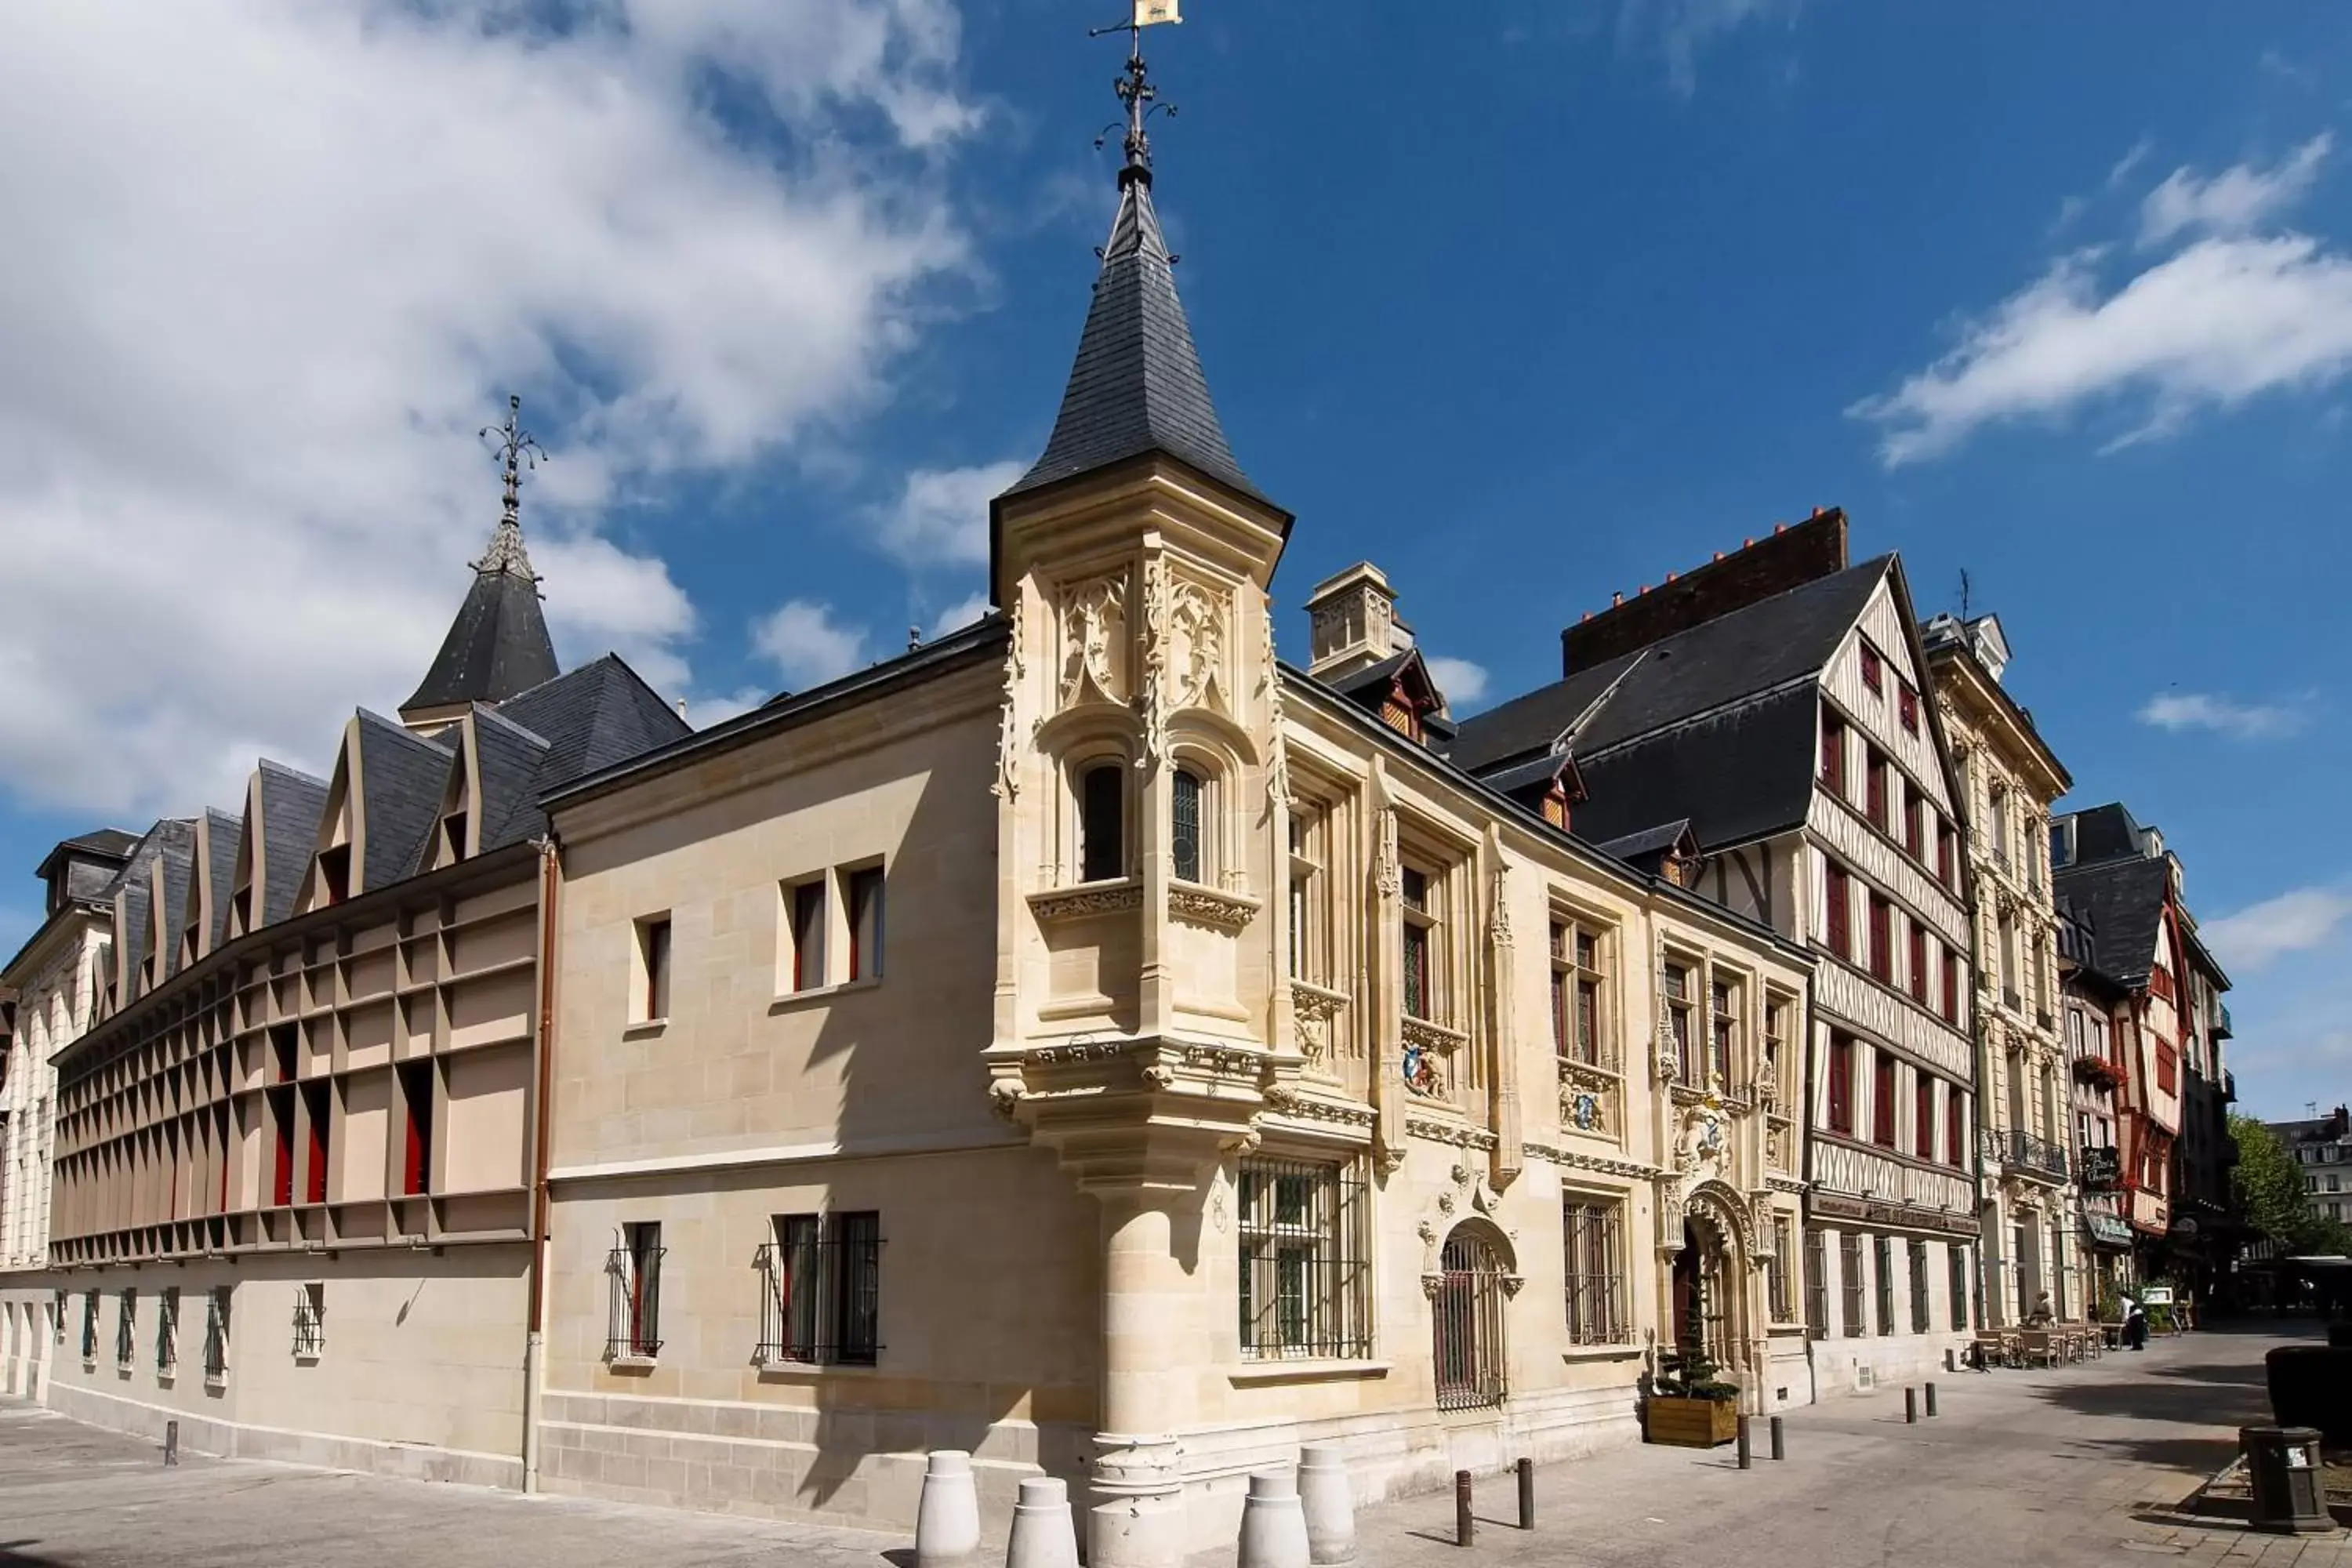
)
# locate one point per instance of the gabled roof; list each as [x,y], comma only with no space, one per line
[509,760]
[133,891]
[401,776]
[1648,849]
[218,835]
[2124,897]
[1368,689]
[498,645]
[597,717]
[292,804]
[108,844]
[178,861]
[1136,385]
[1717,724]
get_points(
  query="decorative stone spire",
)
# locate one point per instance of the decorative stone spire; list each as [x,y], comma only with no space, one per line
[498,645]
[1136,385]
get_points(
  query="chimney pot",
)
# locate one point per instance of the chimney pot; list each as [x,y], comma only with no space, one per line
[1747,543]
[1645,588]
[1670,576]
[1586,617]
[1615,600]
[1817,512]
[1779,528]
[1718,555]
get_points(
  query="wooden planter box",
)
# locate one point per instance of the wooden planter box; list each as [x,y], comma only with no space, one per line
[1690,1423]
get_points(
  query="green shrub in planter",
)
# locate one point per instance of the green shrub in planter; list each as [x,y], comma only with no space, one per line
[2311,1386]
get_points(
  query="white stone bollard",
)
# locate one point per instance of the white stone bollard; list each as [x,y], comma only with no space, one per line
[1274,1527]
[1043,1534]
[946,1518]
[1330,1506]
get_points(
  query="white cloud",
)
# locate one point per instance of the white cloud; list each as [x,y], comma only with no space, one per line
[714,710]
[2244,720]
[1679,29]
[2295,922]
[1463,682]
[2239,200]
[961,614]
[807,644]
[2221,323]
[280,258]
[941,516]
[2129,161]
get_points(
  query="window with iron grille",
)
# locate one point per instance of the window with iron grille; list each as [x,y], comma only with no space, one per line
[1593,1235]
[311,1318]
[1467,1318]
[1306,1284]
[821,1301]
[632,1318]
[1883,1256]
[1817,1285]
[1777,1300]
[90,1326]
[1919,1288]
[1958,1257]
[167,1331]
[126,1327]
[58,1300]
[216,1332]
[1850,1285]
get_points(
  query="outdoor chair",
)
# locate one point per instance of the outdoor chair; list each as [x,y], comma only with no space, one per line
[2039,1345]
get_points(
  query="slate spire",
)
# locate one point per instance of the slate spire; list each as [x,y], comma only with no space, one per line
[498,645]
[1136,385]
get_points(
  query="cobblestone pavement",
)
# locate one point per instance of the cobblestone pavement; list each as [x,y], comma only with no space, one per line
[2087,1465]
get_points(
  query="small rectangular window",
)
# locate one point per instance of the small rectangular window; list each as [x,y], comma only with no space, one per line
[1102,822]
[1677,987]
[1922,1119]
[1776,1298]
[1850,1283]
[1918,976]
[633,1322]
[1946,871]
[1882,1100]
[310,1319]
[126,1327]
[416,1155]
[1723,1030]
[653,969]
[1958,1257]
[1952,997]
[1817,1284]
[1882,938]
[216,1303]
[1184,824]
[1837,925]
[1594,1242]
[1873,670]
[1875,789]
[1919,1305]
[866,923]
[1833,753]
[1883,1260]
[167,1332]
[1841,1074]
[806,903]
[1956,1148]
[1419,930]
[1908,706]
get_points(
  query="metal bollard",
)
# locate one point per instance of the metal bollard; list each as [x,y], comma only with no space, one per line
[1744,1455]
[1527,1494]
[1779,1448]
[1464,1527]
[1911,1405]
[1931,1402]
[171,1442]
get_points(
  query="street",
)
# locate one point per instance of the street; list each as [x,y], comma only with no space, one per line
[2057,1469]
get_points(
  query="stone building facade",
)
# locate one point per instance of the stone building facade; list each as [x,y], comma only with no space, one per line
[1774,703]
[56,976]
[293,1056]
[2032,1236]
[1089,1042]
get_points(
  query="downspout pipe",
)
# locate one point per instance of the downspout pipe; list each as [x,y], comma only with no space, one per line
[534,1354]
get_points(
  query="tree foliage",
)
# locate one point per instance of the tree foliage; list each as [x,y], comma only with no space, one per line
[2268,1186]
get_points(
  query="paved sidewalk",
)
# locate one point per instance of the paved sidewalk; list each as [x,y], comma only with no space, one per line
[2055,1470]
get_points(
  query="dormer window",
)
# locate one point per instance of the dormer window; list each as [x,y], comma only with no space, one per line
[1102,822]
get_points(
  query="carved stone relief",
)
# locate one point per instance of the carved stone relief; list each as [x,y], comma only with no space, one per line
[1094,638]
[1149,696]
[1196,646]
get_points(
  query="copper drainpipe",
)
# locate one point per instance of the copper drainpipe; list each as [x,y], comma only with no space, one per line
[534,1342]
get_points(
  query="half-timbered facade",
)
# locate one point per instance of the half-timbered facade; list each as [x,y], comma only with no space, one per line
[2033,1249]
[1774,703]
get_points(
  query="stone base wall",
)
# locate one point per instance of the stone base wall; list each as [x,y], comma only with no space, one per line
[1869,1365]
[238,1441]
[853,1467]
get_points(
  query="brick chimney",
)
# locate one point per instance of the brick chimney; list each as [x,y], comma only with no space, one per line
[1784,559]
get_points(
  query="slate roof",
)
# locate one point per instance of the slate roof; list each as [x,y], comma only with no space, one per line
[498,645]
[1649,841]
[401,780]
[179,862]
[89,861]
[220,835]
[1368,689]
[292,805]
[2123,897]
[599,716]
[169,836]
[1717,724]
[1136,385]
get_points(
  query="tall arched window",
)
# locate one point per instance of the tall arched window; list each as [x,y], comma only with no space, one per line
[1184,825]
[1102,822]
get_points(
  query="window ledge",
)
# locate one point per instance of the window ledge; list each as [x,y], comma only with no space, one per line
[1259,1373]
[644,1028]
[1620,1351]
[813,1370]
[215,1382]
[628,1363]
[166,1379]
[784,1002]
[301,1359]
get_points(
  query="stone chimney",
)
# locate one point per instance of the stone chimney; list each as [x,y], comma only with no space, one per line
[1354,621]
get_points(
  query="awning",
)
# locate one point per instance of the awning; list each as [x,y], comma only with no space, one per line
[2107,1230]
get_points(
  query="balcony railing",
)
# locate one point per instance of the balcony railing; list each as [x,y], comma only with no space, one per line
[2024,1154]
[2222,1030]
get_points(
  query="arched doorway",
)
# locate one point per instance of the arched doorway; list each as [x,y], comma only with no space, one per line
[1706,1290]
[1473,1280]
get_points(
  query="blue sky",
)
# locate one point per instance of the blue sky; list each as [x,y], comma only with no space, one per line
[1528,301]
